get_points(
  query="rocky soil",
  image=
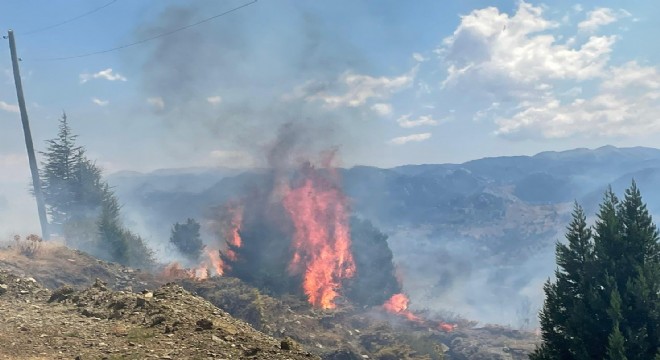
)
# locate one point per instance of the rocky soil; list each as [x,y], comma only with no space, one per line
[98,323]
[63,304]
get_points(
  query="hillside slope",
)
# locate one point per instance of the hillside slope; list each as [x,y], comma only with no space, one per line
[98,323]
[164,318]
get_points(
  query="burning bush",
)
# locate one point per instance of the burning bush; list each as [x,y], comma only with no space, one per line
[261,258]
[297,237]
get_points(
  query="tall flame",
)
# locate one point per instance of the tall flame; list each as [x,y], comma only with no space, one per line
[215,261]
[232,228]
[322,240]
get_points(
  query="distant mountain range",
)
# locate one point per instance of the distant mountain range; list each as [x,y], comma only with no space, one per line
[476,238]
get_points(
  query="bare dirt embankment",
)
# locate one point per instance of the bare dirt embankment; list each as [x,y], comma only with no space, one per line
[95,322]
[54,307]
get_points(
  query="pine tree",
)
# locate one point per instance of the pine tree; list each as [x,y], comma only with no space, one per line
[605,301]
[88,187]
[615,341]
[117,243]
[82,205]
[60,159]
[562,328]
[111,233]
[637,274]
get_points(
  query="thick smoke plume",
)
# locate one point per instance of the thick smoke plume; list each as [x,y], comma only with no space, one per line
[228,86]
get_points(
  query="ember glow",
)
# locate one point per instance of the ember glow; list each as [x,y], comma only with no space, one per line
[322,241]
[398,304]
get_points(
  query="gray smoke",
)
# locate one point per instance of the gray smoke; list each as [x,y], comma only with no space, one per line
[256,63]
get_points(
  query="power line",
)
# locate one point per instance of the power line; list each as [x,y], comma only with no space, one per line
[69,20]
[167,33]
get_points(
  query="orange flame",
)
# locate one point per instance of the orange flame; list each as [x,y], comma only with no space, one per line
[216,262]
[322,240]
[232,229]
[398,304]
[176,271]
[210,266]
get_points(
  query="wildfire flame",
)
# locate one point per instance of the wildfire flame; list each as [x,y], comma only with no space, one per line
[176,271]
[398,304]
[211,265]
[215,261]
[322,240]
[231,230]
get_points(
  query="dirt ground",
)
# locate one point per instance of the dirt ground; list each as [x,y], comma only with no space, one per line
[98,323]
[65,304]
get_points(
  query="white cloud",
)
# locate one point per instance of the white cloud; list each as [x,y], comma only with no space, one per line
[535,83]
[490,49]
[156,102]
[106,74]
[382,109]
[100,102]
[627,103]
[8,107]
[401,140]
[405,122]
[355,89]
[214,100]
[419,57]
[632,75]
[600,17]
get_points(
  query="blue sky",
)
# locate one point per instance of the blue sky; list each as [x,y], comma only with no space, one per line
[386,82]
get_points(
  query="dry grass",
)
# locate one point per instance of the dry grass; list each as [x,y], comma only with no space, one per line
[30,246]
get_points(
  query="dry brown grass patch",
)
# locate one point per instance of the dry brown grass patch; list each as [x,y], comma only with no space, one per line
[30,246]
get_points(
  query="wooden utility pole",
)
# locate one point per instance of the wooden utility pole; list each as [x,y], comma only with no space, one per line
[36,183]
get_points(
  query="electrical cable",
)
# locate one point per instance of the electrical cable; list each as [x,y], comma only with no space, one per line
[167,33]
[69,20]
